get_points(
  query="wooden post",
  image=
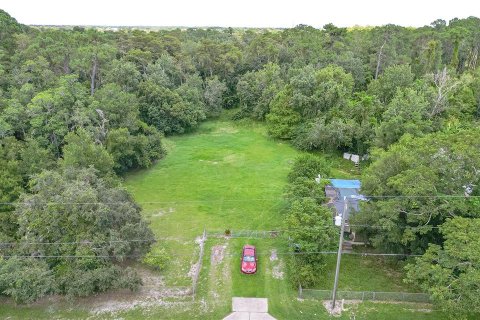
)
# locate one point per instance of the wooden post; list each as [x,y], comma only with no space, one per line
[339,254]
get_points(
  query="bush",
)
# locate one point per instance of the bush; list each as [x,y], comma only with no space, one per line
[305,274]
[82,283]
[305,188]
[309,166]
[25,279]
[156,259]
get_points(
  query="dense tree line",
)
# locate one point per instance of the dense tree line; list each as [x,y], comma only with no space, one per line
[90,104]
[424,200]
[307,220]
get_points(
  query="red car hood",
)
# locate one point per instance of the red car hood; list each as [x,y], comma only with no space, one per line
[248,265]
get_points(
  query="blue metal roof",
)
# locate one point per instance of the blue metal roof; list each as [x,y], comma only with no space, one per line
[345,184]
[349,189]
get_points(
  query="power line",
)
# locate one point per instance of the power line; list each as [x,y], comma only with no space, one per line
[144,202]
[181,201]
[212,233]
[424,196]
[227,255]
[388,227]
[83,242]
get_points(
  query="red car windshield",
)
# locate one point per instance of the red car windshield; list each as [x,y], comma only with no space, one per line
[249,259]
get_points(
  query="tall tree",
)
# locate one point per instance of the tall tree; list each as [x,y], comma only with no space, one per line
[92,217]
[420,183]
[450,273]
[81,151]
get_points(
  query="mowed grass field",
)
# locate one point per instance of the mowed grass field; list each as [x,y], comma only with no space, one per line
[223,176]
[230,175]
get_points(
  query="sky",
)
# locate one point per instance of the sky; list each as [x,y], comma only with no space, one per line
[238,13]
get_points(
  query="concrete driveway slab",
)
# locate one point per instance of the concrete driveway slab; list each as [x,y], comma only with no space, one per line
[250,304]
[249,309]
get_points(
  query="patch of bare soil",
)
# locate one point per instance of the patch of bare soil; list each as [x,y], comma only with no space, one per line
[163,211]
[277,269]
[159,213]
[209,161]
[153,293]
[193,270]
[336,310]
[199,240]
[218,253]
[277,272]
[224,130]
[339,306]
[273,255]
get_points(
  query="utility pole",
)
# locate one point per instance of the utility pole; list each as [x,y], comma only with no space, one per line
[339,254]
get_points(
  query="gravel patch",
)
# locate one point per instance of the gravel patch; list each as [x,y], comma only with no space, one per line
[218,253]
[273,255]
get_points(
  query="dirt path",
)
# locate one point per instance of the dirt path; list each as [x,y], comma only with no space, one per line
[218,253]
[219,278]
[277,265]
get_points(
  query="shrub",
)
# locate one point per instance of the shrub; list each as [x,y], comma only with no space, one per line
[305,188]
[156,259]
[25,280]
[309,166]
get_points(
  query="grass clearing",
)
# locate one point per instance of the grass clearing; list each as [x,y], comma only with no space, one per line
[224,176]
[354,270]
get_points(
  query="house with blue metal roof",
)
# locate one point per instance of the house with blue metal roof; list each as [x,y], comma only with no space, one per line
[337,190]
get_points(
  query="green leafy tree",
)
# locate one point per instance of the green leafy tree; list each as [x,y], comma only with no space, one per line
[125,74]
[282,119]
[337,134]
[93,217]
[166,110]
[20,160]
[257,89]
[81,151]
[114,108]
[55,112]
[450,272]
[213,96]
[90,59]
[308,167]
[8,28]
[406,113]
[394,78]
[11,185]
[310,228]
[37,72]
[164,72]
[192,94]
[305,187]
[421,168]
[133,151]
[314,92]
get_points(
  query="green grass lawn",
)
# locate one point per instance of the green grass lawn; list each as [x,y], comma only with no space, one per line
[224,176]
[381,275]
[231,176]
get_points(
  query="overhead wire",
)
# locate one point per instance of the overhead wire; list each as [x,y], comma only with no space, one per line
[181,201]
[228,255]
[245,234]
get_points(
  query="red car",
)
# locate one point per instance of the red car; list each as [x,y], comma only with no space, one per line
[249,259]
